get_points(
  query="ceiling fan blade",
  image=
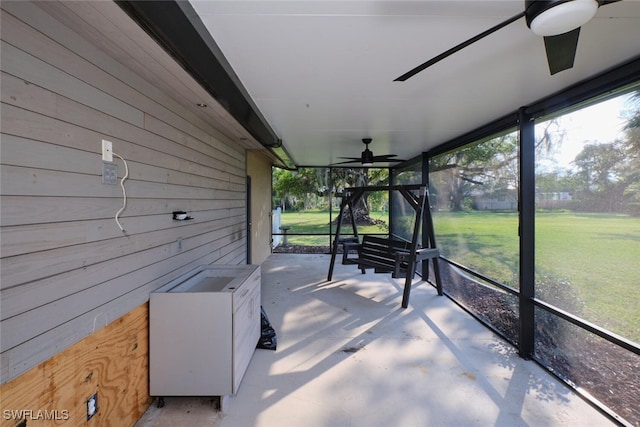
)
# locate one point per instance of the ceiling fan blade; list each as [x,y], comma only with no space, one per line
[345,163]
[376,159]
[561,50]
[386,158]
[461,46]
[367,157]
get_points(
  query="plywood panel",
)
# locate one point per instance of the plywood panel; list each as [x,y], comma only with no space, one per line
[112,363]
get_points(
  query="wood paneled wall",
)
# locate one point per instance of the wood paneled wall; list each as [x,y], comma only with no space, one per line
[66,268]
[112,363]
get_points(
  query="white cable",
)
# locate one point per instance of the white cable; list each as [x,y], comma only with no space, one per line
[124,192]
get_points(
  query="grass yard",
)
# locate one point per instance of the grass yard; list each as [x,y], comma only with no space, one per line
[596,255]
[590,262]
[317,222]
[484,242]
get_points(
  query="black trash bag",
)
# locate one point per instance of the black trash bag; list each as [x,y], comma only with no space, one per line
[268,337]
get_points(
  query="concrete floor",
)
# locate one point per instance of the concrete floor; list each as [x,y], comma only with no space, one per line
[349,355]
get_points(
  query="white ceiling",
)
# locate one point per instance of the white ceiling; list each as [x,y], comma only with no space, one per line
[321,72]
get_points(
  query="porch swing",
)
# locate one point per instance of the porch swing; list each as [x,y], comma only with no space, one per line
[388,255]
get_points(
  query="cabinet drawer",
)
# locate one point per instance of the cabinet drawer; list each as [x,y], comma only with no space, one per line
[247,291]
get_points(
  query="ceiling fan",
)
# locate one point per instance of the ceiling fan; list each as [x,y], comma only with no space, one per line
[558,21]
[367,158]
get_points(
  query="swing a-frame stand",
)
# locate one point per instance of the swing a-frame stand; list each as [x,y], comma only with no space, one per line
[387,255]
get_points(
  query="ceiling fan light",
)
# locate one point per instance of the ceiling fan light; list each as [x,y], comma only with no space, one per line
[367,164]
[561,17]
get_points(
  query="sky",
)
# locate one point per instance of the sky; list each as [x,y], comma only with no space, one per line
[599,123]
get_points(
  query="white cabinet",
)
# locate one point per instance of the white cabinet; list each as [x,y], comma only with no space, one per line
[203,331]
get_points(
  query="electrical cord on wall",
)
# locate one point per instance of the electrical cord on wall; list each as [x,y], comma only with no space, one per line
[124,192]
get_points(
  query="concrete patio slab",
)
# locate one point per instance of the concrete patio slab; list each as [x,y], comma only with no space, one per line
[349,355]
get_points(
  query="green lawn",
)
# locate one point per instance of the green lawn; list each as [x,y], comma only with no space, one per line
[484,242]
[591,259]
[317,222]
[589,263]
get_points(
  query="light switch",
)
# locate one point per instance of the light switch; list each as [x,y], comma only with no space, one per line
[107,151]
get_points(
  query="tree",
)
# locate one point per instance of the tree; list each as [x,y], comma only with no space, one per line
[305,187]
[293,186]
[599,165]
[631,146]
[490,165]
[601,175]
[487,167]
[632,128]
[361,177]
[608,174]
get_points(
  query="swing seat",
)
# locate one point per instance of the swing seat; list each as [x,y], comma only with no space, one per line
[384,255]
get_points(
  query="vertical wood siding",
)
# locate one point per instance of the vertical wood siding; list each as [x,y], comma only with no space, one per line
[66,268]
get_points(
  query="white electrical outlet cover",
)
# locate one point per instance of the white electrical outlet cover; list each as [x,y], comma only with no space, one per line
[107,151]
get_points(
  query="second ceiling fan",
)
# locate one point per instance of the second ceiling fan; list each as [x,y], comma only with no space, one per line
[367,158]
[558,21]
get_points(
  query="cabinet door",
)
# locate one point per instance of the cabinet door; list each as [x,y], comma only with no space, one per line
[246,325]
[190,344]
